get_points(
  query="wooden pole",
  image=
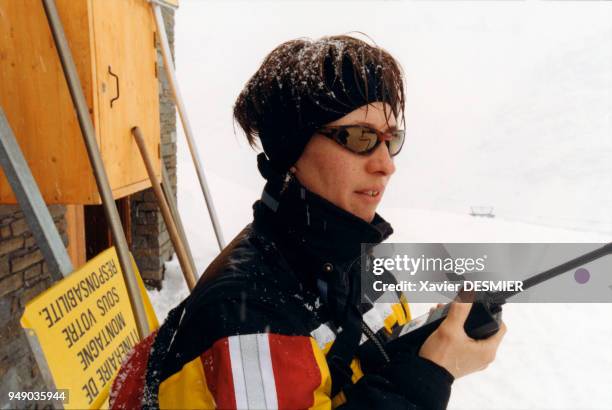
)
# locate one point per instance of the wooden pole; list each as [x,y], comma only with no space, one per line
[165,210]
[169,195]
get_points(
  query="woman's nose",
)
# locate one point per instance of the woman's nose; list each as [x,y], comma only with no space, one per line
[380,161]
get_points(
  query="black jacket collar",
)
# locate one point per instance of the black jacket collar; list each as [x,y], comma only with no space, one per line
[320,241]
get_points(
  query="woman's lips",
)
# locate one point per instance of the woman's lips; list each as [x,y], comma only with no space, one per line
[370,195]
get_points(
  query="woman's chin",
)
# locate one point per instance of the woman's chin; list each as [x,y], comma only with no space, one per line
[365,214]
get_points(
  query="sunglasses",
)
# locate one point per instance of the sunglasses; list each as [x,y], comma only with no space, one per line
[362,140]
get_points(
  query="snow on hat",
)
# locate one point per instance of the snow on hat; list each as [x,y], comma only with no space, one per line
[303,85]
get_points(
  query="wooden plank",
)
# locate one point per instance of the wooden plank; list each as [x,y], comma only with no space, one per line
[130,189]
[75,229]
[124,37]
[173,3]
[36,98]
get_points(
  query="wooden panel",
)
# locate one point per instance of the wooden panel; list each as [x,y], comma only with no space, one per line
[124,36]
[75,228]
[173,3]
[35,97]
[128,189]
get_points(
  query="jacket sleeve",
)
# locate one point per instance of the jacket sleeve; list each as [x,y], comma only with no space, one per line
[267,371]
[407,382]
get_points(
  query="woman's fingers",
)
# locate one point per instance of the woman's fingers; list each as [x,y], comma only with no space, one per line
[439,305]
[458,313]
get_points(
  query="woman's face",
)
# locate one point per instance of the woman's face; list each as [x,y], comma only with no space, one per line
[342,177]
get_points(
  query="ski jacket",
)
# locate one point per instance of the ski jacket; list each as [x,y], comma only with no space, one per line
[277,321]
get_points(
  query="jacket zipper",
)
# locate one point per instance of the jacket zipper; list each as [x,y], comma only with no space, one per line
[366,329]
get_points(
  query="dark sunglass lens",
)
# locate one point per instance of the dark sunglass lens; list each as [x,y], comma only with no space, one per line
[342,136]
[360,139]
[396,142]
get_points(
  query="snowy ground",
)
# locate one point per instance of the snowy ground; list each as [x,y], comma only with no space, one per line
[523,91]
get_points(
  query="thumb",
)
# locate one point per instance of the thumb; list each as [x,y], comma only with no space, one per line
[458,313]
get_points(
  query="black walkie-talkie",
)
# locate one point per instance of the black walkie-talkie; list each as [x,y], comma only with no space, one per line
[484,318]
[483,321]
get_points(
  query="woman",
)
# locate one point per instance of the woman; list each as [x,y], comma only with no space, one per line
[276,320]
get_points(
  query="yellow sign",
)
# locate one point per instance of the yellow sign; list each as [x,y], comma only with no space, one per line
[85,327]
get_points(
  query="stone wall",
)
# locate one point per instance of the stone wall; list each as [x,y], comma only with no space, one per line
[150,239]
[23,275]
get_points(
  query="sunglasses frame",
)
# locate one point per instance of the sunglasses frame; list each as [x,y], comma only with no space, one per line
[333,131]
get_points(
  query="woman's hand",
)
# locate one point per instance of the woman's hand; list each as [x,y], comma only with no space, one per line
[450,347]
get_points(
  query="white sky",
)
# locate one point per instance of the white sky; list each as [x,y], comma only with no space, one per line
[508,103]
